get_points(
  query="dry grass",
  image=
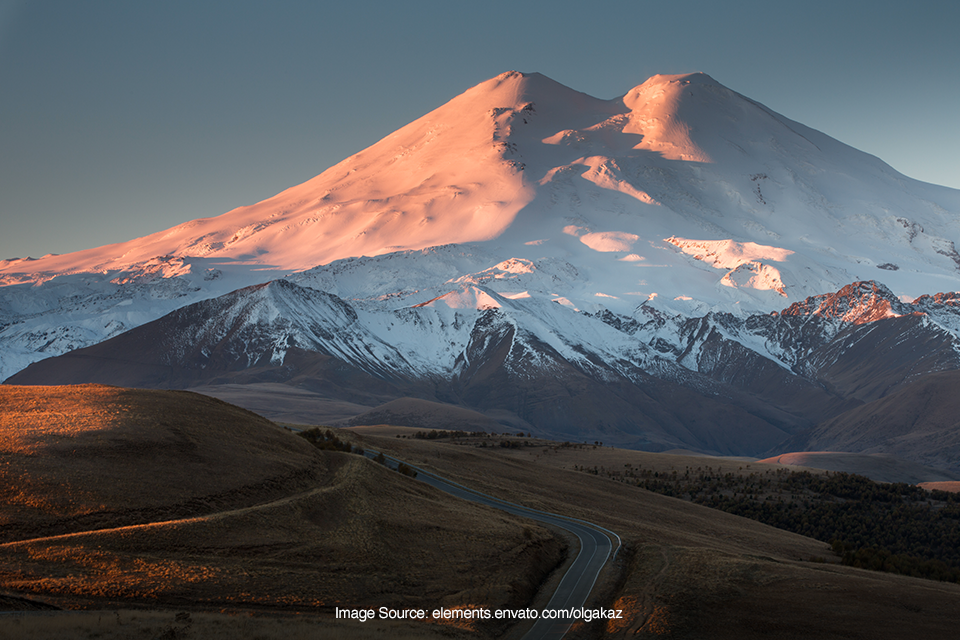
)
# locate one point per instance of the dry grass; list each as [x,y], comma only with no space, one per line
[356,534]
[76,458]
[289,528]
[942,486]
[688,571]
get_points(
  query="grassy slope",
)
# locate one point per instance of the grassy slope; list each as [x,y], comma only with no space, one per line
[689,571]
[270,524]
[86,456]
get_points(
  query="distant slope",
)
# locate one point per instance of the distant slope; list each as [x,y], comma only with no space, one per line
[283,403]
[423,414]
[919,422]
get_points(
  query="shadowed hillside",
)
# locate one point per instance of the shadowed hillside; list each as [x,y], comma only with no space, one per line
[917,422]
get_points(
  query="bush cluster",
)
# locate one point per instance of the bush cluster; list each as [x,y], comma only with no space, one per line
[434,434]
[327,440]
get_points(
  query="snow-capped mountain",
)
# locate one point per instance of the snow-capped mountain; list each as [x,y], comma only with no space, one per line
[681,236]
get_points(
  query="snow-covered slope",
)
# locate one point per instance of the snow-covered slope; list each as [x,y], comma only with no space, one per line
[500,342]
[680,199]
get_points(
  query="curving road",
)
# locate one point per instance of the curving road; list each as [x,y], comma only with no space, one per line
[575,586]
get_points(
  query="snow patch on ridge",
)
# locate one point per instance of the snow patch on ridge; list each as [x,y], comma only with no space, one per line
[728,254]
[609,241]
[742,260]
[465,298]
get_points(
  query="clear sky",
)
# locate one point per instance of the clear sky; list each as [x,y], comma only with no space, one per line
[121,118]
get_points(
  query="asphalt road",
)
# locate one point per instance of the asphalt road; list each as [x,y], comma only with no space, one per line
[596,547]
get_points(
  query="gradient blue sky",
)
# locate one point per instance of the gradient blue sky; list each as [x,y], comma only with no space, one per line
[121,118]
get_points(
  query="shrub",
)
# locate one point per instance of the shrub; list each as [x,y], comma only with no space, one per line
[406,470]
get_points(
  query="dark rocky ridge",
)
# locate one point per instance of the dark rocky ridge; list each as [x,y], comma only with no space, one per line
[836,352]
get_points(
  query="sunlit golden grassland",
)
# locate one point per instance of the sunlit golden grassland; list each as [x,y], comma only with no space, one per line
[69,452]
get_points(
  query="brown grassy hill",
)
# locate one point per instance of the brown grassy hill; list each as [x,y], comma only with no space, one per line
[90,456]
[879,467]
[118,497]
[952,486]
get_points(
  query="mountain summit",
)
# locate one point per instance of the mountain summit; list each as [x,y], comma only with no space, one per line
[679,266]
[523,161]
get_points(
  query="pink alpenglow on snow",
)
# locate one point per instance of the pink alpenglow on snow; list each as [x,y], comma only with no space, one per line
[531,192]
